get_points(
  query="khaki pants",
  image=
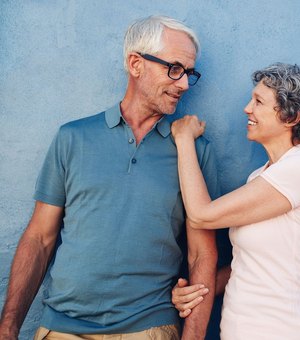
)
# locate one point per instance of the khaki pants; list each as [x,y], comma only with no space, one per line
[168,332]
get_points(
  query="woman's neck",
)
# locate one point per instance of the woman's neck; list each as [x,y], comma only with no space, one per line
[275,152]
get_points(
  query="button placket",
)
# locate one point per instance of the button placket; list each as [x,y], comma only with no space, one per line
[132,147]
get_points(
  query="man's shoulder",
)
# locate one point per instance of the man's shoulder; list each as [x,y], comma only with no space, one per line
[208,164]
[202,144]
[83,123]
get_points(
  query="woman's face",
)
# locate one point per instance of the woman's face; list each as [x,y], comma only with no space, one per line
[264,125]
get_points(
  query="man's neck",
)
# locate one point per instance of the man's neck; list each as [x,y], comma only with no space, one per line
[138,117]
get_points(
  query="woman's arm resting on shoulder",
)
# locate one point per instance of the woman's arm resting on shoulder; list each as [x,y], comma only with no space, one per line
[256,201]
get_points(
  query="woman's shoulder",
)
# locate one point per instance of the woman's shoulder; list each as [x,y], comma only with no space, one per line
[290,159]
[257,172]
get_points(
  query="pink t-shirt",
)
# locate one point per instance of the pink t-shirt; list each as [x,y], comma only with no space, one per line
[262,297]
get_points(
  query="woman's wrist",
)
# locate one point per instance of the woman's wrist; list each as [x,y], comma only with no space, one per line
[183,138]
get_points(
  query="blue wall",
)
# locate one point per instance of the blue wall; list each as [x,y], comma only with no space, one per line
[61,60]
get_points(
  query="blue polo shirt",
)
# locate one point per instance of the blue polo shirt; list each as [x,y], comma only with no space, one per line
[119,255]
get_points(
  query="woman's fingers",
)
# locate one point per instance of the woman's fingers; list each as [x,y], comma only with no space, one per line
[186,308]
[188,126]
[182,283]
[189,297]
[185,298]
[186,313]
[188,293]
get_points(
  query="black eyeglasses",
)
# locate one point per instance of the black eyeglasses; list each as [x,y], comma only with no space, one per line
[176,71]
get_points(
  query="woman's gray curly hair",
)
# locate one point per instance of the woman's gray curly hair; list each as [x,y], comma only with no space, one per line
[284,79]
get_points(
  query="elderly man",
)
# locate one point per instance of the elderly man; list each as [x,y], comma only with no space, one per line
[109,189]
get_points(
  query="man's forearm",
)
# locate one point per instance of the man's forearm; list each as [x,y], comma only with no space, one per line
[201,271]
[27,272]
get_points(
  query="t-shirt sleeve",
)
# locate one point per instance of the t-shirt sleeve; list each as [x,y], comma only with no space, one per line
[50,186]
[207,162]
[284,176]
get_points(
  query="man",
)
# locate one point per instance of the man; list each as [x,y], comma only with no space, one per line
[112,179]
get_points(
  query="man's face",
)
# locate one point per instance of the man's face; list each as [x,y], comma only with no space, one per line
[159,93]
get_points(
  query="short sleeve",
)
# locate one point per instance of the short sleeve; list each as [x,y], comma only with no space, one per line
[50,186]
[284,176]
[207,162]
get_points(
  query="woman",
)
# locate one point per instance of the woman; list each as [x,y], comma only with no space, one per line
[262,297]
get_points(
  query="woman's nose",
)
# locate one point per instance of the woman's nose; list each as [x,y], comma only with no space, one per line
[248,107]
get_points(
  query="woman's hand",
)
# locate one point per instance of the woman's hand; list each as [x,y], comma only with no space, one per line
[188,126]
[185,297]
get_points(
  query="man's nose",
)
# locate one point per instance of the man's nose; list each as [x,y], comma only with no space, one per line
[183,82]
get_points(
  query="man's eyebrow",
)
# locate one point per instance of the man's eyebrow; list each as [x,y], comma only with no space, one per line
[180,64]
[177,63]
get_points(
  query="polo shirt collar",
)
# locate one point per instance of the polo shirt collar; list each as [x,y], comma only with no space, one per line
[113,117]
[163,126]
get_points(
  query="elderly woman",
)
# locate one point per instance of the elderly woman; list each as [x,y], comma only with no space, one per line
[262,297]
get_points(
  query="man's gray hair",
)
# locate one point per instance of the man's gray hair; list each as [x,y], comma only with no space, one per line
[145,35]
[284,79]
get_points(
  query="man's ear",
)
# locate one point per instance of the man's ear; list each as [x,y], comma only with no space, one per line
[135,64]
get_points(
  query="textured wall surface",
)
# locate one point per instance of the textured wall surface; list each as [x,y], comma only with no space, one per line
[62,59]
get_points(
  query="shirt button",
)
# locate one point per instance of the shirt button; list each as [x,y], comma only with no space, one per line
[133,161]
[130,140]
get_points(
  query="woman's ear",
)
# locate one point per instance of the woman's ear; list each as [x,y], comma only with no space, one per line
[295,122]
[135,64]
